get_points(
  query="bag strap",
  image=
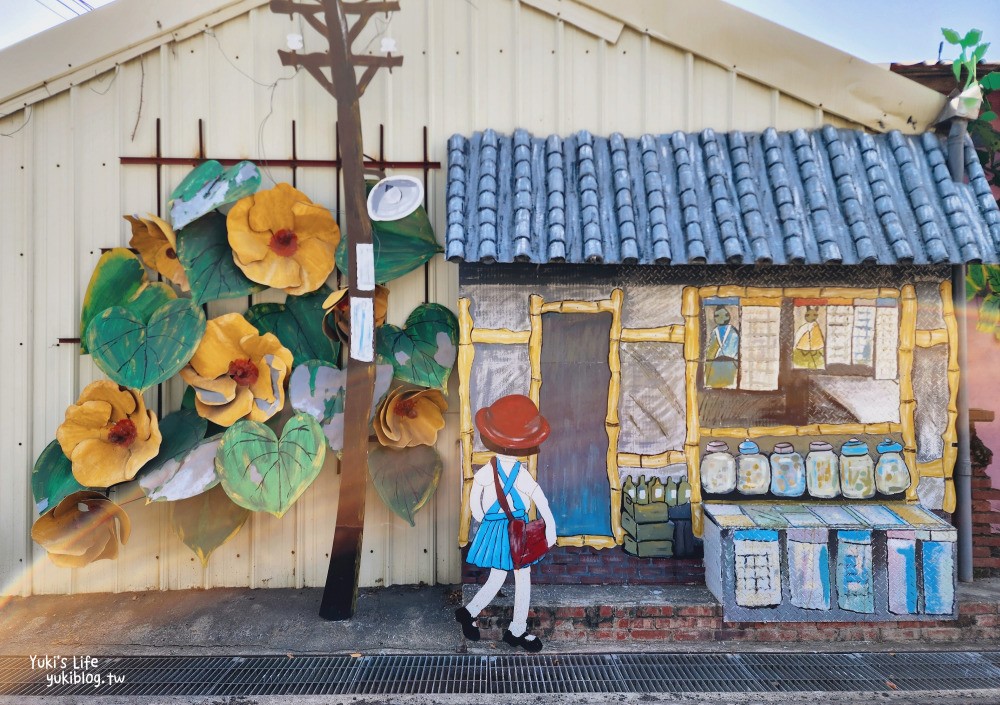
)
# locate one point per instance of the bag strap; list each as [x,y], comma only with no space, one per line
[501,497]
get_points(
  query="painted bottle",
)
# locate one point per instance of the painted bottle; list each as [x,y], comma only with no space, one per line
[822,470]
[655,490]
[629,487]
[718,469]
[753,474]
[684,492]
[641,491]
[891,474]
[857,471]
[788,475]
[671,492]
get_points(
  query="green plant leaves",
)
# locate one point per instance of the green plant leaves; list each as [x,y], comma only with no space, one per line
[975,280]
[320,390]
[137,354]
[208,187]
[203,249]
[264,473]
[119,279]
[990,82]
[187,475]
[406,478]
[989,314]
[52,478]
[298,324]
[951,36]
[207,521]
[424,352]
[972,38]
[400,245]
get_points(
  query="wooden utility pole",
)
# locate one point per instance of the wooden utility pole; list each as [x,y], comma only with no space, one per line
[340,594]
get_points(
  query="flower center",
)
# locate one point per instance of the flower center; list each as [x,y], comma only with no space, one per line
[122,433]
[285,243]
[405,407]
[243,372]
[171,253]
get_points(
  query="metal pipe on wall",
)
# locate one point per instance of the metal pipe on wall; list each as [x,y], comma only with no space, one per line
[963,464]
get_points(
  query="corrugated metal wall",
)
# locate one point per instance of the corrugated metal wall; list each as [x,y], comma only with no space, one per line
[468,65]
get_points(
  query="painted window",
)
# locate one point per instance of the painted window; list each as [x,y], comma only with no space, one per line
[781,357]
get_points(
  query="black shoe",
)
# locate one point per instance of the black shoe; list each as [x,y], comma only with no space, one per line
[469,629]
[530,645]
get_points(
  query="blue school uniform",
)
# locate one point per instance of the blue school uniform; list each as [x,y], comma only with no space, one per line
[491,547]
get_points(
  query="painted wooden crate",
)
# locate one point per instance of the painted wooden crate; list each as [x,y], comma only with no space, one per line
[829,562]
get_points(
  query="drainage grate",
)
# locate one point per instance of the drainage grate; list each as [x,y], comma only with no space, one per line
[556,673]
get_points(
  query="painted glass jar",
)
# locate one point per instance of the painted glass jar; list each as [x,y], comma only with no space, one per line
[753,473]
[891,474]
[788,474]
[718,469]
[857,471]
[822,470]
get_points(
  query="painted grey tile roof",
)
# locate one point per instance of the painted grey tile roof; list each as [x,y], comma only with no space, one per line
[825,196]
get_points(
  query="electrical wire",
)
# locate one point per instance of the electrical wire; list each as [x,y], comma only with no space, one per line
[75,13]
[52,10]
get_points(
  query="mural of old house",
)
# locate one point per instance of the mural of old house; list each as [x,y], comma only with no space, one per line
[719,273]
[747,336]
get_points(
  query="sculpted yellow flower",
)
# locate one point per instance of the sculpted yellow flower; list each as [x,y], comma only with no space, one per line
[410,418]
[282,239]
[157,245]
[108,434]
[238,373]
[83,528]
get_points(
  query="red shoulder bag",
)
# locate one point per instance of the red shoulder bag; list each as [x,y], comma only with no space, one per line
[527,538]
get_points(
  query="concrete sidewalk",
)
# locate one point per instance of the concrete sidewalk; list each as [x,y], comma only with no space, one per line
[395,620]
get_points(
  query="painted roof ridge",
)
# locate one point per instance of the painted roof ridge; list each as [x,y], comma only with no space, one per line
[820,196]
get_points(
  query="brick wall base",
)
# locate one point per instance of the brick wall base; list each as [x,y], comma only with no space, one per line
[977,621]
[985,513]
[569,565]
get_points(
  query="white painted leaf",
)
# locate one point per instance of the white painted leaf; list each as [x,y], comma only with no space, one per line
[187,476]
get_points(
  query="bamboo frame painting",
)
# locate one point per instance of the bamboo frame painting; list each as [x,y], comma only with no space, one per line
[469,335]
[770,296]
[688,334]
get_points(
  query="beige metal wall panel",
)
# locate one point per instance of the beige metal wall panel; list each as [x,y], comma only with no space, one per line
[468,66]
[53,287]
[16,415]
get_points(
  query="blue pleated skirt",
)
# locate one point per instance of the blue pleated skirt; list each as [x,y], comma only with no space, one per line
[491,546]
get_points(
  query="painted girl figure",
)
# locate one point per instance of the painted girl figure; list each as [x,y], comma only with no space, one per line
[512,428]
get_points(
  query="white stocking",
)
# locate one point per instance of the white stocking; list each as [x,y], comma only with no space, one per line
[522,599]
[488,591]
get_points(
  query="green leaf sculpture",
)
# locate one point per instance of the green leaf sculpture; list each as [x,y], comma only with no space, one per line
[405,478]
[185,476]
[319,389]
[298,324]
[140,354]
[207,521]
[264,473]
[119,279]
[208,187]
[424,352]
[203,249]
[400,245]
[52,478]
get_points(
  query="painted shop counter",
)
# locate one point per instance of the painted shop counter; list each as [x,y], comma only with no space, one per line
[826,562]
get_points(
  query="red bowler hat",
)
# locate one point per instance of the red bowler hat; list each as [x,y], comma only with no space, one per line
[512,422]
